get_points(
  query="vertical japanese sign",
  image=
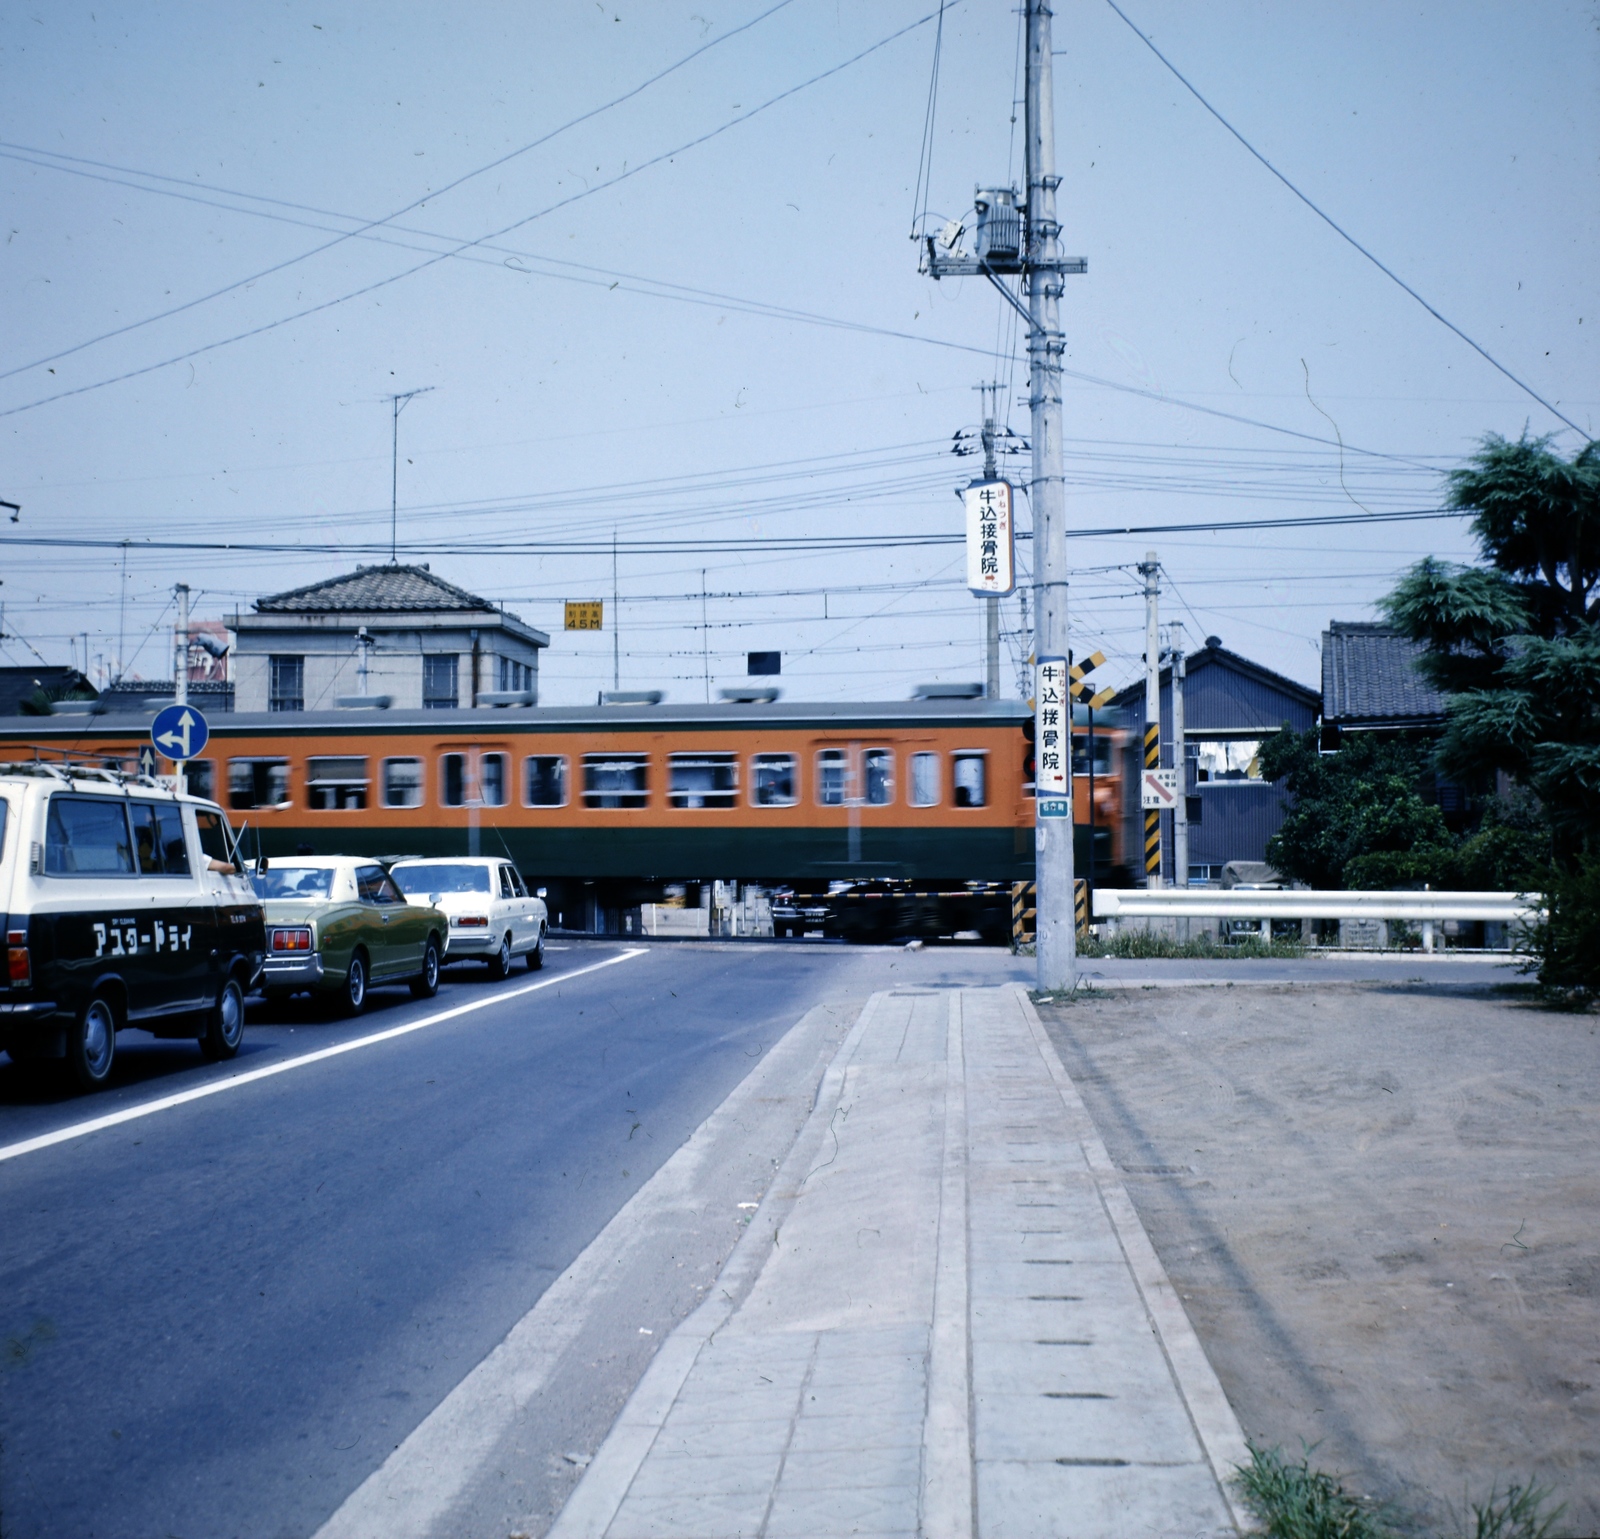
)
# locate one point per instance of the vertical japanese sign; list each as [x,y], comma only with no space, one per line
[1052,737]
[991,551]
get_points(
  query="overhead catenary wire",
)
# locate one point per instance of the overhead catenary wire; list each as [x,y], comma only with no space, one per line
[432,196]
[907,540]
[648,287]
[432,261]
[1343,233]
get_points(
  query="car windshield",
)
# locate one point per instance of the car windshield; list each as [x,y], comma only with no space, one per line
[443,878]
[293,882]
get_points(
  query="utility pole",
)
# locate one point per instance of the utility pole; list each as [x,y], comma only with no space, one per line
[1057,944]
[180,647]
[1180,759]
[399,402]
[616,620]
[705,636]
[1024,240]
[180,676]
[1150,570]
[122,614]
[991,604]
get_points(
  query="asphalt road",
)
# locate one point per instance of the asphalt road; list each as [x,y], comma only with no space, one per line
[220,1317]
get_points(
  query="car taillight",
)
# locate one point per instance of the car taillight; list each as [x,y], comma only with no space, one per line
[472,921]
[291,940]
[19,965]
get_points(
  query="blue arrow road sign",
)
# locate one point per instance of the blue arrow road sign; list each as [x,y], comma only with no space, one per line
[147,759]
[179,731]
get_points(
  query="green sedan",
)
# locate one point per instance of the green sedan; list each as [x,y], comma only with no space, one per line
[337,926]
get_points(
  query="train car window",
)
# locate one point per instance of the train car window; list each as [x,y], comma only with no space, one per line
[544,780]
[615,780]
[703,779]
[833,776]
[402,782]
[257,783]
[968,779]
[201,776]
[877,770]
[87,836]
[453,779]
[158,838]
[924,780]
[492,779]
[772,780]
[336,785]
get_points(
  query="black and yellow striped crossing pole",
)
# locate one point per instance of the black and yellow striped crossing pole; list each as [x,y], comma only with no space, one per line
[1150,570]
[1152,818]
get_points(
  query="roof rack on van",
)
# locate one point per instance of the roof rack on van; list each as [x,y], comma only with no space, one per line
[50,769]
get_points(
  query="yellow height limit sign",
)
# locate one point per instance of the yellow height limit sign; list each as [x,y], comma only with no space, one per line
[586,615]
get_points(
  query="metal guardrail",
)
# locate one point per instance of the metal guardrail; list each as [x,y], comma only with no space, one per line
[1264,905]
[1311,903]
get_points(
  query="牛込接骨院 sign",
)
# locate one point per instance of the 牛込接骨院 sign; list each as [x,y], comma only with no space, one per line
[1052,728]
[991,549]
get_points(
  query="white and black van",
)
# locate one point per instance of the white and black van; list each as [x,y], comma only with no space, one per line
[124,904]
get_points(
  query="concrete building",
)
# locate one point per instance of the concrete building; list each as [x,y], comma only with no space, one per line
[1231,705]
[382,631]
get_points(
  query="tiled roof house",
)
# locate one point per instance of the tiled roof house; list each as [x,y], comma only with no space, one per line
[1370,682]
[428,645]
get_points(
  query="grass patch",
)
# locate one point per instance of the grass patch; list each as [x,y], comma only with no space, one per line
[1140,944]
[1294,1501]
[1291,1500]
[1518,1513]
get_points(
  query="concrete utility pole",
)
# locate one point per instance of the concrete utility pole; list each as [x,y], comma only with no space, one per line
[1180,759]
[1024,240]
[991,604]
[1150,570]
[180,647]
[1057,944]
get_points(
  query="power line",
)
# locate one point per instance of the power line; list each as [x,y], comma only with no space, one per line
[1339,229]
[651,288]
[373,224]
[788,543]
[432,261]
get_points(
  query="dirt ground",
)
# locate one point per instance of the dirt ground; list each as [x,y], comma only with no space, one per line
[1382,1208]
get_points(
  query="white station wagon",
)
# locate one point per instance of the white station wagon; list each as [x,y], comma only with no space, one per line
[492,914]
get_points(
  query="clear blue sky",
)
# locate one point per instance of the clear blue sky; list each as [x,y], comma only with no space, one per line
[1455,140]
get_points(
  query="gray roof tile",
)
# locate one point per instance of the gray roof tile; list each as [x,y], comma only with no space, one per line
[1370,678]
[376,589]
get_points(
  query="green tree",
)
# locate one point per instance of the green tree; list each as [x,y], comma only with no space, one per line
[1358,817]
[1516,641]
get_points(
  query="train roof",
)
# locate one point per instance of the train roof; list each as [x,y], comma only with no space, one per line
[823,715]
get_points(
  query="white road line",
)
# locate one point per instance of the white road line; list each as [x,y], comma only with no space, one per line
[216,1087]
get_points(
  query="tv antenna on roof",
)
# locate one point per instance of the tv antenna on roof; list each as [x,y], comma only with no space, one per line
[399,403]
